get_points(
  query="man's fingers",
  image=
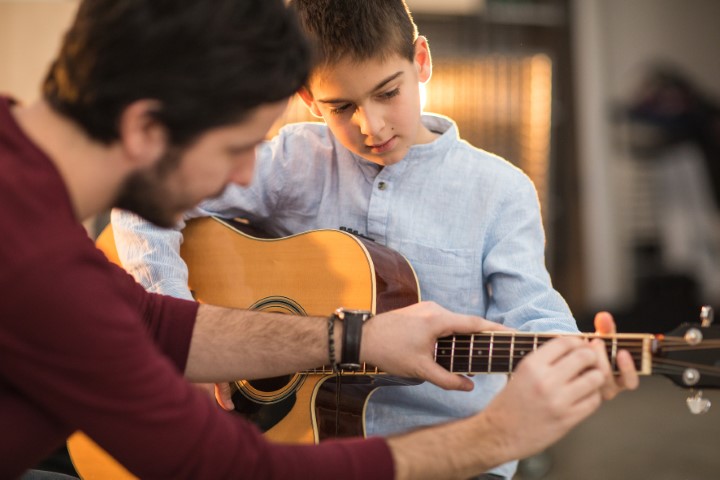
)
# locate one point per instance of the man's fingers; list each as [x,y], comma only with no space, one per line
[613,383]
[584,406]
[574,366]
[628,374]
[558,348]
[449,381]
[574,362]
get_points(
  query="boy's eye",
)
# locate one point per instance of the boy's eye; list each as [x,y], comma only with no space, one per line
[390,94]
[340,109]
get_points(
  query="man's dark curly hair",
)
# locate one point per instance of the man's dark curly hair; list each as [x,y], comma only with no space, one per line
[208,63]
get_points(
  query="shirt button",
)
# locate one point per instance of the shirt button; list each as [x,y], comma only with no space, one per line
[382,186]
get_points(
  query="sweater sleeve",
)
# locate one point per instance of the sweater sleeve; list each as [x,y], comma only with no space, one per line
[91,352]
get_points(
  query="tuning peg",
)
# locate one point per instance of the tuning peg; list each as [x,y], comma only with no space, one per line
[697,404]
[706,315]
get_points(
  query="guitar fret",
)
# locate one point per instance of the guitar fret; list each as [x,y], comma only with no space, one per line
[512,351]
[452,354]
[613,355]
[490,352]
[470,353]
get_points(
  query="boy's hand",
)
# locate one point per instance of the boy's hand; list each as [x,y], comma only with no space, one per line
[223,395]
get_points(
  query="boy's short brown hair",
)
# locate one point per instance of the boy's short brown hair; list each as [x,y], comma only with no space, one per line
[356,29]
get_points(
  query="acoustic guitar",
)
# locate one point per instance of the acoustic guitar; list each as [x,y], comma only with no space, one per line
[315,272]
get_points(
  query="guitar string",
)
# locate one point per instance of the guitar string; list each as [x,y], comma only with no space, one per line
[661,365]
[527,340]
[466,343]
[462,346]
[678,370]
[710,369]
[510,347]
[671,344]
[502,357]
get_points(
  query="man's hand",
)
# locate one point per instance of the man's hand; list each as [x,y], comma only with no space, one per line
[402,342]
[628,377]
[552,390]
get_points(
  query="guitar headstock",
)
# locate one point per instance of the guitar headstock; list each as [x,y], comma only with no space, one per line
[690,355]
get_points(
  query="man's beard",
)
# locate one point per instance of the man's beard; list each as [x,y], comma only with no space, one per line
[145,194]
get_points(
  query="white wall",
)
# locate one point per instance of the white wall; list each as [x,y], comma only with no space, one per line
[614,40]
[30,33]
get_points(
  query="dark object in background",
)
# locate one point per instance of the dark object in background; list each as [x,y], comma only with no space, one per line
[669,109]
[664,301]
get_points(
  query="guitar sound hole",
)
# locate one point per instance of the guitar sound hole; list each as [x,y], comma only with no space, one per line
[271,384]
[270,390]
[264,415]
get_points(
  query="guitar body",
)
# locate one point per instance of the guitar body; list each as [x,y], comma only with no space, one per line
[311,273]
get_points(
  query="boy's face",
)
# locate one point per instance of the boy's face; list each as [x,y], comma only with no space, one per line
[373,107]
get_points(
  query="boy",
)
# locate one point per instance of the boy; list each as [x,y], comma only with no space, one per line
[467,221]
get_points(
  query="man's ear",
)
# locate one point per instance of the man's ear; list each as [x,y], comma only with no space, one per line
[309,101]
[423,61]
[143,138]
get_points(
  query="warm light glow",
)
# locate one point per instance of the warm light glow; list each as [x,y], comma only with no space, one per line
[502,104]
[536,120]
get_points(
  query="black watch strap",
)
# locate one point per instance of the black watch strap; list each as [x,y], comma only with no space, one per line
[352,335]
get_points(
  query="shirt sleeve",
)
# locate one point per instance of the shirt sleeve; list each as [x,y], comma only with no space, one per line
[151,254]
[520,289]
[90,362]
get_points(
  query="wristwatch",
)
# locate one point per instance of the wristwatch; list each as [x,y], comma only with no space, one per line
[352,321]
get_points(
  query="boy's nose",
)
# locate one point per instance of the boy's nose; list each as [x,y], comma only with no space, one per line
[371,123]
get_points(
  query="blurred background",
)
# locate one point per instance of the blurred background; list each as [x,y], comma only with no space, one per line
[612,107]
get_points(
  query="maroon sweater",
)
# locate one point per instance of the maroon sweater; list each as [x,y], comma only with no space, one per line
[82,346]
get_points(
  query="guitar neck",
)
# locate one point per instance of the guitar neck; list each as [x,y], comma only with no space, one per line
[501,352]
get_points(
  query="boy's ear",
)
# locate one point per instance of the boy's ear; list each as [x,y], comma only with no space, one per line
[309,101]
[423,61]
[143,138]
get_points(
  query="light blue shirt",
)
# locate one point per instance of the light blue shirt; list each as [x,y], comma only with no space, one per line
[467,221]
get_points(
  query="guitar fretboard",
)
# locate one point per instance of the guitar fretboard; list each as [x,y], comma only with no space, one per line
[501,352]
